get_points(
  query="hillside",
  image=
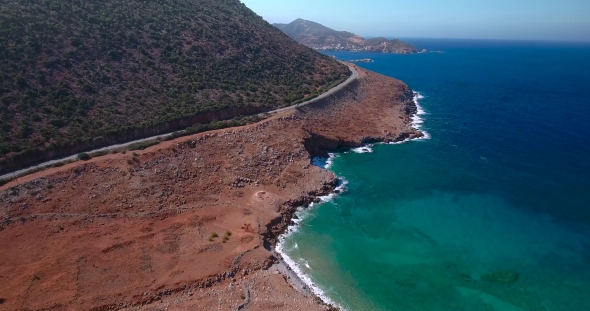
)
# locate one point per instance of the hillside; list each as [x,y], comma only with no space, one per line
[308,32]
[188,224]
[80,74]
[320,37]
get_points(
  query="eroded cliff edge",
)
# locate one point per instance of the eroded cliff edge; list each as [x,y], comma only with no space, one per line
[186,224]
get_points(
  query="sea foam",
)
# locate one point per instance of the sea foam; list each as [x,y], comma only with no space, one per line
[324,163]
[302,214]
[363,149]
[417,121]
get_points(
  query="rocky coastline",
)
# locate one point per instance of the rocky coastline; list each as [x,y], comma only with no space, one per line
[192,222]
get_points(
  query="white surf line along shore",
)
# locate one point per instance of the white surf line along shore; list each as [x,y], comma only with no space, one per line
[26,171]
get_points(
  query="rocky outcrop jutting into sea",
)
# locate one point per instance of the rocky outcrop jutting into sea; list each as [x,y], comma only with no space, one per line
[189,223]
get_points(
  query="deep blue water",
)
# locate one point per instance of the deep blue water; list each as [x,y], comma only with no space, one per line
[502,188]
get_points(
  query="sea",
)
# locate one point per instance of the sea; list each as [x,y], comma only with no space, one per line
[490,212]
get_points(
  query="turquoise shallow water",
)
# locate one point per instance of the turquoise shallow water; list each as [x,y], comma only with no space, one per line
[491,213]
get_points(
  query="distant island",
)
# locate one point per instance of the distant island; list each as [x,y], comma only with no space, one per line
[320,37]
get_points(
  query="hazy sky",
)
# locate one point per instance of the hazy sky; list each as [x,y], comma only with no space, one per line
[567,20]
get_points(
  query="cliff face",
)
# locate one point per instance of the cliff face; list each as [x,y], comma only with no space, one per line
[72,71]
[183,223]
[320,37]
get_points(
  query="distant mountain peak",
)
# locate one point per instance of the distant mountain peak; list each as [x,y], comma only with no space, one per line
[320,37]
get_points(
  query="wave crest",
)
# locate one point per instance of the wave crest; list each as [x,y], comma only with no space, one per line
[303,214]
[417,121]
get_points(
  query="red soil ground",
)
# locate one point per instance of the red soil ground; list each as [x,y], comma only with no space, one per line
[187,224]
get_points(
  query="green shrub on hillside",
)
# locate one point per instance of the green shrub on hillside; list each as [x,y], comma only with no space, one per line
[74,71]
[84,156]
[143,145]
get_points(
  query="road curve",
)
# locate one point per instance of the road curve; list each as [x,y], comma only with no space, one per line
[328,93]
[48,164]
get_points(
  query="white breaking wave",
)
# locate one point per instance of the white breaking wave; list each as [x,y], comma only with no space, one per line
[302,214]
[325,163]
[417,121]
[363,149]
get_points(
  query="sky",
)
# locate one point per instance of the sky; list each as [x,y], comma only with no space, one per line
[563,20]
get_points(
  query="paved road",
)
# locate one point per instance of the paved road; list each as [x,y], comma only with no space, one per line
[47,164]
[330,92]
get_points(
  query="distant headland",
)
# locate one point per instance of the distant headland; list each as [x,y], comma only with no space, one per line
[320,37]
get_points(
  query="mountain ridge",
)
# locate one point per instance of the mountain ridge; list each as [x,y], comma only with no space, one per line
[320,37]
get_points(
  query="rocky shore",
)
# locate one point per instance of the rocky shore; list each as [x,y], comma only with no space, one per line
[189,224]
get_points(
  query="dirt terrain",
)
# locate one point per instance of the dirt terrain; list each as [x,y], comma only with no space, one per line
[188,224]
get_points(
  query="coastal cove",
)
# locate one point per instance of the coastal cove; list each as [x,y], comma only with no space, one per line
[123,231]
[491,213]
[205,155]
